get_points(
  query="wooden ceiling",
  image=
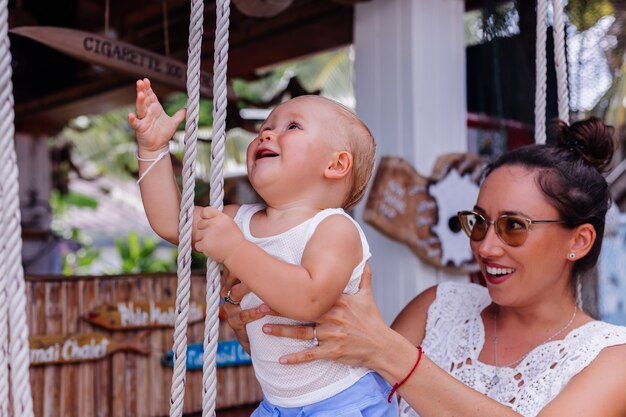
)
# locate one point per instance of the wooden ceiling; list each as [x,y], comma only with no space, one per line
[50,87]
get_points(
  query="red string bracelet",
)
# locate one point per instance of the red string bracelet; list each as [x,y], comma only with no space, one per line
[398,384]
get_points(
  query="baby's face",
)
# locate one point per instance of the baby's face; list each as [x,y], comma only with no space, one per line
[295,143]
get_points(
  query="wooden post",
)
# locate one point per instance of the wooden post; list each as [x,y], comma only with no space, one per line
[410,90]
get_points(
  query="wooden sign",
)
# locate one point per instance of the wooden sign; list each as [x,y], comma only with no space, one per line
[229,353]
[141,315]
[116,55]
[82,347]
[421,211]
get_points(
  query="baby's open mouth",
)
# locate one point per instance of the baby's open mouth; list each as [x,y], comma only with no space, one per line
[265,153]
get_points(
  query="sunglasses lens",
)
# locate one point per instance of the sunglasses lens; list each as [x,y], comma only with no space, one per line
[474,225]
[513,230]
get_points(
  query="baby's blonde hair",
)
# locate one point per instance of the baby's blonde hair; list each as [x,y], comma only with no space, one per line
[360,143]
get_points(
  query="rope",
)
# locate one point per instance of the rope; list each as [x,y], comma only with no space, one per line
[540,70]
[560,60]
[220,102]
[14,340]
[186,212]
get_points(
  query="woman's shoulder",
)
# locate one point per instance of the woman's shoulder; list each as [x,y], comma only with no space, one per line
[599,334]
[591,345]
[457,301]
[463,293]
[596,352]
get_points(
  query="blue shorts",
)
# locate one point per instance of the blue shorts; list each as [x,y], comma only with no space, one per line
[367,397]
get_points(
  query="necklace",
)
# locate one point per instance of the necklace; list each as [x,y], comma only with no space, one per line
[496,378]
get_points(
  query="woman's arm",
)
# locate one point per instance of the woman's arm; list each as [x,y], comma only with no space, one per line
[354,332]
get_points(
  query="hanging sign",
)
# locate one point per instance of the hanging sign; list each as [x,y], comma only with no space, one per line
[421,212]
[116,55]
[81,347]
[229,353]
[141,315]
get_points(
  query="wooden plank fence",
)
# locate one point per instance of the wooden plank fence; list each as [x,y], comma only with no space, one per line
[125,383]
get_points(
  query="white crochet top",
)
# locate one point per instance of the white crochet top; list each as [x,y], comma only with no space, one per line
[306,383]
[455,336]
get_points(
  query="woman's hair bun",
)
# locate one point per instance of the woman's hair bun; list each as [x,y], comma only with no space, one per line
[590,138]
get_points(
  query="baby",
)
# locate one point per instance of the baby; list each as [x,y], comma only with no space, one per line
[311,161]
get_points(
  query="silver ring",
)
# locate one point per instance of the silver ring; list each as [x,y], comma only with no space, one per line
[314,340]
[229,300]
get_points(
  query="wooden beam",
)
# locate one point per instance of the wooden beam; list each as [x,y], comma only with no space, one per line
[298,39]
[105,94]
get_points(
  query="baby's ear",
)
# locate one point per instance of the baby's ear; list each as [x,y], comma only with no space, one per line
[339,166]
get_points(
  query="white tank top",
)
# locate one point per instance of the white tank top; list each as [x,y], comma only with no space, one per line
[455,336]
[307,383]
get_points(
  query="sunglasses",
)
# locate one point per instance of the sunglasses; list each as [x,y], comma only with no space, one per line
[511,229]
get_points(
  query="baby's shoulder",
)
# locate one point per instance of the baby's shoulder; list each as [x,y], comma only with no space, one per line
[334,224]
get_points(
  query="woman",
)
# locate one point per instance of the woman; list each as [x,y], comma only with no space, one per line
[520,346]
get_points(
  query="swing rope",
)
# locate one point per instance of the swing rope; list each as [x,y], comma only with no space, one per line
[209,376]
[560,62]
[14,347]
[560,59]
[186,210]
[220,102]
[540,70]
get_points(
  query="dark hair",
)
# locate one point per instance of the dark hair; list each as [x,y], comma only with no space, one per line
[570,176]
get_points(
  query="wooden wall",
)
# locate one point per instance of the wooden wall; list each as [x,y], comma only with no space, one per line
[124,383]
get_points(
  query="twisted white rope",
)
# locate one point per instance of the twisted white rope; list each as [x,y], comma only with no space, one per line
[540,70]
[560,59]
[220,102]
[14,342]
[186,210]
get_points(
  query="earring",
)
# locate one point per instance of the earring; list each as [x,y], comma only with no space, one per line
[571,255]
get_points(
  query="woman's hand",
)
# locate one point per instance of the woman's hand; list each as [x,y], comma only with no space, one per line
[235,316]
[351,332]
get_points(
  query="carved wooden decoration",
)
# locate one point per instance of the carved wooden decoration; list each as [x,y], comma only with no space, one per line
[141,315]
[82,347]
[421,211]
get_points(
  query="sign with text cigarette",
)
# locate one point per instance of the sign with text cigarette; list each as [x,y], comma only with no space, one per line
[114,54]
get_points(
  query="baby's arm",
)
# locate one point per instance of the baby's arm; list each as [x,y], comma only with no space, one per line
[159,190]
[302,292]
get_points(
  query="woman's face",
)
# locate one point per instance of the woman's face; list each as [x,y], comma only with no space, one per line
[538,269]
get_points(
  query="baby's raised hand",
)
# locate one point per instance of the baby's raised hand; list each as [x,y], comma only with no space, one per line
[217,235]
[153,127]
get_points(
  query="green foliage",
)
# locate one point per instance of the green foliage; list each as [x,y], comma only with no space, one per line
[179,100]
[79,262]
[102,145]
[198,261]
[263,89]
[139,255]
[330,72]
[586,13]
[61,203]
